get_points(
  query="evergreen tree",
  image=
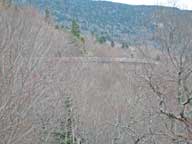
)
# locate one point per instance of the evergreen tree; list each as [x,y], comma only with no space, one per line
[101,39]
[112,43]
[64,135]
[47,15]
[75,29]
[124,45]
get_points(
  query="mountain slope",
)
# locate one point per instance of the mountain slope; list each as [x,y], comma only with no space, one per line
[35,81]
[114,21]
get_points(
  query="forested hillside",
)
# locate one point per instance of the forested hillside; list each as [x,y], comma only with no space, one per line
[111,21]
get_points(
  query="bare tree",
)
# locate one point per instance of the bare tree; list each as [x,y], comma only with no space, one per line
[25,40]
[171,79]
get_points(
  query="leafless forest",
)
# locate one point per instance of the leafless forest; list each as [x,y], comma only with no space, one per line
[56,89]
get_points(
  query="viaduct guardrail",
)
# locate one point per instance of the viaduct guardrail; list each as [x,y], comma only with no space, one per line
[103,60]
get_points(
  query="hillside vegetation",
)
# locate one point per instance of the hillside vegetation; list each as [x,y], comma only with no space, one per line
[115,22]
[47,100]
